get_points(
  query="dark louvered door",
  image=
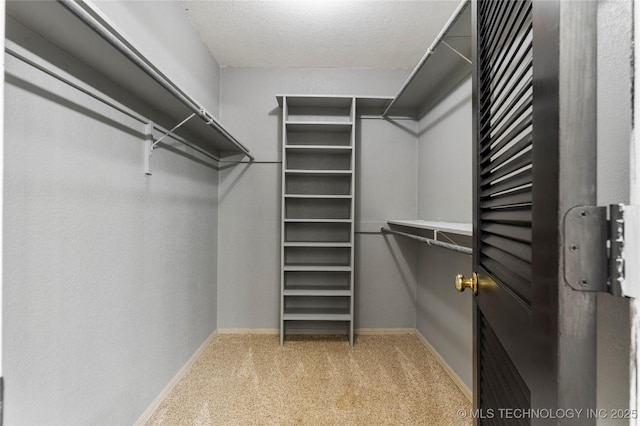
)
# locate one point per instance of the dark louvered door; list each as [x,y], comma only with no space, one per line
[534,148]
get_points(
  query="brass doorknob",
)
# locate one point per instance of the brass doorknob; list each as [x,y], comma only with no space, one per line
[461,283]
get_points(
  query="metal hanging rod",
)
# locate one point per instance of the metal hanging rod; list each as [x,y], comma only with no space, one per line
[116,40]
[429,241]
[108,102]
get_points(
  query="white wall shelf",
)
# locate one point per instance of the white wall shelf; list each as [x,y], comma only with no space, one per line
[445,64]
[447,227]
[317,244]
[317,196]
[318,172]
[326,314]
[128,68]
[319,126]
[317,149]
[318,268]
[318,292]
[370,105]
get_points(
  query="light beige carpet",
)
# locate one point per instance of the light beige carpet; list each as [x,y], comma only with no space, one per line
[314,380]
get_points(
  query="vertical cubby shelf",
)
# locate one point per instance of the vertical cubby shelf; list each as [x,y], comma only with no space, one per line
[318,184]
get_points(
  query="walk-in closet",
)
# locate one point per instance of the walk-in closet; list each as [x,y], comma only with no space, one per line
[318,212]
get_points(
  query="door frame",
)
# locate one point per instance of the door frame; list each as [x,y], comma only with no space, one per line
[632,278]
[565,158]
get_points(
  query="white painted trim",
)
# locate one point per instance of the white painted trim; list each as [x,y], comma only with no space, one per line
[359,331]
[146,416]
[383,331]
[2,43]
[248,331]
[634,198]
[456,379]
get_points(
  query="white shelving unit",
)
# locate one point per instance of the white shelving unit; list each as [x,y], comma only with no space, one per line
[87,35]
[318,183]
[445,64]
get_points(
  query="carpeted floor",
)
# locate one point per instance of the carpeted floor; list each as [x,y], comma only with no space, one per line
[314,380]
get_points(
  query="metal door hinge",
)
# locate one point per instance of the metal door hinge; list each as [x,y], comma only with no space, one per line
[595,248]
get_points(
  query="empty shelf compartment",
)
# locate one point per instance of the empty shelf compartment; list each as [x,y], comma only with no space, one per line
[293,327]
[317,283]
[329,160]
[337,135]
[317,308]
[318,108]
[323,256]
[330,209]
[298,182]
[317,232]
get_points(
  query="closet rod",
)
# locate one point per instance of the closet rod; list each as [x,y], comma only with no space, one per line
[107,102]
[428,53]
[111,36]
[429,241]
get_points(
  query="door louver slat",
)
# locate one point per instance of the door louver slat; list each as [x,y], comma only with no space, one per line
[515,164]
[505,143]
[510,262]
[518,233]
[500,67]
[521,216]
[500,380]
[519,180]
[520,250]
[508,154]
[521,196]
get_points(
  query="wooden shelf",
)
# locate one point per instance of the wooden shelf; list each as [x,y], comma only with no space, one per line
[448,227]
[317,291]
[318,220]
[308,172]
[440,69]
[343,197]
[367,104]
[317,244]
[317,314]
[317,268]
[319,126]
[316,101]
[318,149]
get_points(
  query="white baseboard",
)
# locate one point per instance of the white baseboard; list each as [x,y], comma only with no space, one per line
[372,331]
[358,331]
[459,383]
[146,416]
[248,331]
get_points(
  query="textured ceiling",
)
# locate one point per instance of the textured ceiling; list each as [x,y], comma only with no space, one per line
[318,33]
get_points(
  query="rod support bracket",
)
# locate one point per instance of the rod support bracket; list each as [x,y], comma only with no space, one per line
[148,148]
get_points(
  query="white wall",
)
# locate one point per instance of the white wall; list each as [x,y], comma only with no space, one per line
[386,175]
[445,194]
[163,33]
[110,275]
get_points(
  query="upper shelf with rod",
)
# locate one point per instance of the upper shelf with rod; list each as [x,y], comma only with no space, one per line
[443,66]
[84,32]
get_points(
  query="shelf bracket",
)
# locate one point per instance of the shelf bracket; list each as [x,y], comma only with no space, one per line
[150,145]
[455,51]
